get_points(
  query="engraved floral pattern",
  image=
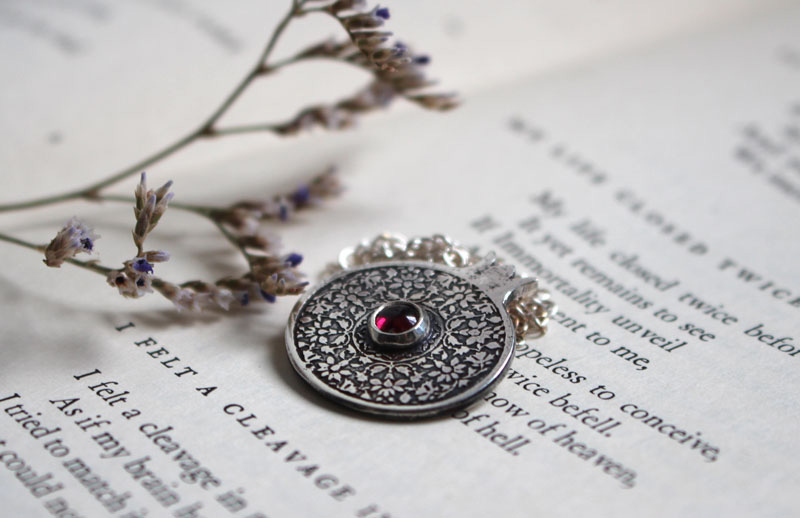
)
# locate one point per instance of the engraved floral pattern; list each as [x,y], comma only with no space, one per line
[465,345]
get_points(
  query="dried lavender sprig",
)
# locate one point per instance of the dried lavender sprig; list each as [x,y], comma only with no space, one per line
[270,275]
[341,115]
[392,63]
[337,116]
[396,66]
[396,70]
[149,206]
[200,295]
[183,298]
[247,215]
[240,225]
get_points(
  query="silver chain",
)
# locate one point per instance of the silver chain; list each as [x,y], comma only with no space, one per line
[530,312]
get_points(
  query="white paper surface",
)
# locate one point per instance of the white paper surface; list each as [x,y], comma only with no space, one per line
[655,184]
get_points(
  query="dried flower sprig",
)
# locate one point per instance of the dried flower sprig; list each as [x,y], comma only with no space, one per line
[395,72]
[270,274]
[136,277]
[396,67]
[150,206]
[401,76]
[246,216]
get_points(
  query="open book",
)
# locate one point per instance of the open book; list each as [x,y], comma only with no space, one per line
[642,161]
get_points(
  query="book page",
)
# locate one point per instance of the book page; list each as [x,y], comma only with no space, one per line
[654,194]
[128,78]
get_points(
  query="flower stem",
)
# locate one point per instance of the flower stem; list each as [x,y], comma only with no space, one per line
[89,265]
[20,242]
[232,238]
[205,130]
[246,128]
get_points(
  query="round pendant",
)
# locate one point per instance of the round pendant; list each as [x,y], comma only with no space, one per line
[405,338]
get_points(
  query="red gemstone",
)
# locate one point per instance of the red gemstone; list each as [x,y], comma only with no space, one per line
[396,318]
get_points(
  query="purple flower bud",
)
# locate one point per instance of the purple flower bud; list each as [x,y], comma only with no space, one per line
[141,265]
[301,195]
[74,238]
[293,259]
[382,12]
[422,60]
[156,256]
[269,297]
[283,212]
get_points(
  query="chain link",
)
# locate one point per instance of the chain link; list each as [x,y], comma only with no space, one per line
[530,311]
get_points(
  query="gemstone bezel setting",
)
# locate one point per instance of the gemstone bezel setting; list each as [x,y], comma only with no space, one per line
[398,325]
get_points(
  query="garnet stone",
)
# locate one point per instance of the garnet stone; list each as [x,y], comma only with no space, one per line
[397,318]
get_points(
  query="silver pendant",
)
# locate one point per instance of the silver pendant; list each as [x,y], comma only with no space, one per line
[405,338]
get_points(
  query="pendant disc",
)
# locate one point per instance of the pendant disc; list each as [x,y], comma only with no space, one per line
[465,350]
